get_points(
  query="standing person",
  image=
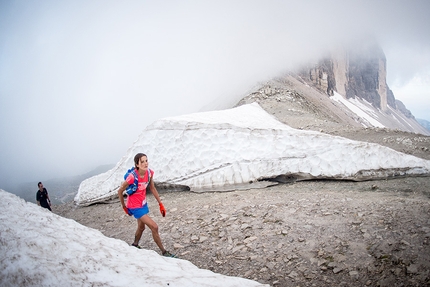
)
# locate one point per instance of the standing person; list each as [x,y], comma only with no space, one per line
[136,202]
[42,197]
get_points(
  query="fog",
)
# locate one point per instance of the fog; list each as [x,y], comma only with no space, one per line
[80,80]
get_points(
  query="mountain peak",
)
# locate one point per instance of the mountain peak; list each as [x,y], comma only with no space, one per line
[359,73]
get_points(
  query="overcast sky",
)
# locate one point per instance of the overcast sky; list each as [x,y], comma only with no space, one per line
[80,80]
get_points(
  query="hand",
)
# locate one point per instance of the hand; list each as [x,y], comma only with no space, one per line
[162,210]
[126,211]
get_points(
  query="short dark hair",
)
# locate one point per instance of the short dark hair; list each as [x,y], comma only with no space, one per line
[137,158]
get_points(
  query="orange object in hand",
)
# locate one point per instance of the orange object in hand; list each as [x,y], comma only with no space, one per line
[162,210]
[126,211]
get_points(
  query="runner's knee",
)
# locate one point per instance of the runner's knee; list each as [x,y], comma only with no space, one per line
[153,227]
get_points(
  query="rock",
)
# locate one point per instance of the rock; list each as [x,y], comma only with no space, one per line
[250,239]
[321,262]
[293,274]
[244,226]
[237,248]
[412,269]
[177,246]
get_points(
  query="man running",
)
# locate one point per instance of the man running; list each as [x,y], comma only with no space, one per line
[42,197]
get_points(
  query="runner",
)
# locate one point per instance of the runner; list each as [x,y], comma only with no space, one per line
[42,197]
[136,202]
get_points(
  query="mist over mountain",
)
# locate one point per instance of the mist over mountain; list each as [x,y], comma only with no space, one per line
[359,74]
[424,123]
[344,93]
[341,94]
[60,190]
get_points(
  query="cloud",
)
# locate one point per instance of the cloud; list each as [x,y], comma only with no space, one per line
[415,94]
[79,80]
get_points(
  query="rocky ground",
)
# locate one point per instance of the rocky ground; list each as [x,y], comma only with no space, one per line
[310,233]
[313,233]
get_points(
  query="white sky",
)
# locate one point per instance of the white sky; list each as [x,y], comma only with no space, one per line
[79,80]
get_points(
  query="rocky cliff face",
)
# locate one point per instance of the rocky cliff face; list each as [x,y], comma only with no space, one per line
[356,72]
[359,73]
[345,90]
[367,76]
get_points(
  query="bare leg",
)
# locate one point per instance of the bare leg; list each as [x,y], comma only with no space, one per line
[139,231]
[146,220]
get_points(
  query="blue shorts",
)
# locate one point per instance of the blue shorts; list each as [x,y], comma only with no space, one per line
[139,212]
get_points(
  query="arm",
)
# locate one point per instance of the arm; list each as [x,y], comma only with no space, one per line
[38,198]
[47,196]
[157,197]
[121,190]
[154,191]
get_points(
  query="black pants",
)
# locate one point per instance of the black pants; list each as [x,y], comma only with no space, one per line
[46,206]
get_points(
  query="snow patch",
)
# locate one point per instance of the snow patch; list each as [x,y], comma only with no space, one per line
[357,108]
[40,248]
[212,150]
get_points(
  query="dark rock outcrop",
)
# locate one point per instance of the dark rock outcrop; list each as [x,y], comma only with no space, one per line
[367,74]
[359,72]
[355,72]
